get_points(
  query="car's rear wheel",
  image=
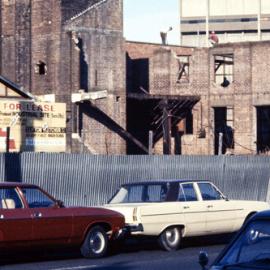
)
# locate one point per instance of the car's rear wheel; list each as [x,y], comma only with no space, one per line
[95,244]
[170,239]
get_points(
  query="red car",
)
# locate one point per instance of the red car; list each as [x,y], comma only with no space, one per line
[31,218]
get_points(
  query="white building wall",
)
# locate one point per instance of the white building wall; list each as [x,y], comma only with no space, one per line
[265,6]
[255,26]
[193,8]
[198,8]
[232,7]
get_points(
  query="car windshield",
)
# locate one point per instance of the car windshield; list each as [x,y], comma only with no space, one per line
[140,193]
[253,246]
[36,198]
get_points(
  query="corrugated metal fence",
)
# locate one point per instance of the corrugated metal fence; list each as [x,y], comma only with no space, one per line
[91,180]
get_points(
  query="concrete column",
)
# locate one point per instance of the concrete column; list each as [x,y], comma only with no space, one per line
[259,19]
[207,22]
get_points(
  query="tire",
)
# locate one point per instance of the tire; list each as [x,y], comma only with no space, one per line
[170,239]
[95,244]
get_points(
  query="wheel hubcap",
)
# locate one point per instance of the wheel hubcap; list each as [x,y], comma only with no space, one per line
[172,236]
[97,242]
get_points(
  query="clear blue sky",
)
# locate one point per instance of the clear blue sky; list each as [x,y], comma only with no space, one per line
[144,19]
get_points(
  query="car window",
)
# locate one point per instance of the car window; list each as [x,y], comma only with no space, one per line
[36,198]
[156,193]
[187,193]
[209,192]
[9,199]
[251,247]
[135,193]
[121,196]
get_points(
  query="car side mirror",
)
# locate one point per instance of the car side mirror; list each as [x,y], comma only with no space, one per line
[203,259]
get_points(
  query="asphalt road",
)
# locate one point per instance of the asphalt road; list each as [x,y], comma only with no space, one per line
[134,255]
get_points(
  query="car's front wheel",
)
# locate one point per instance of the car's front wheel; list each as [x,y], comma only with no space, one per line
[95,244]
[170,238]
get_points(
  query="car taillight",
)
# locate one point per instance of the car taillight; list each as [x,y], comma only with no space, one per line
[135,214]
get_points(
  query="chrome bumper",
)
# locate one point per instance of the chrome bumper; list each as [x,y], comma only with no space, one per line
[127,230]
[134,228]
[121,233]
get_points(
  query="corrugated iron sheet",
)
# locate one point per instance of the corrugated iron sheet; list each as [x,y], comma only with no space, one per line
[82,179]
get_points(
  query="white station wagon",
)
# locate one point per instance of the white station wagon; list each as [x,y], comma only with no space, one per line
[180,208]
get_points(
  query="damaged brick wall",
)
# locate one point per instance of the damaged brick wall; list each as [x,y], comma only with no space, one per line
[39,53]
[104,57]
[15,41]
[248,91]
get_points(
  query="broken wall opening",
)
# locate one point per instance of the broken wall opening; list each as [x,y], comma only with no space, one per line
[168,117]
[183,68]
[223,130]
[263,129]
[137,75]
[224,64]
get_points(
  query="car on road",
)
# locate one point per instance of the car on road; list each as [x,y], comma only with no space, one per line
[31,218]
[250,249]
[173,209]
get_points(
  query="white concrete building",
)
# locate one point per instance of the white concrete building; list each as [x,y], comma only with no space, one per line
[232,21]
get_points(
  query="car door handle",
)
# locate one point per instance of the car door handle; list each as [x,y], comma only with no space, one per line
[186,207]
[37,215]
[2,216]
[209,206]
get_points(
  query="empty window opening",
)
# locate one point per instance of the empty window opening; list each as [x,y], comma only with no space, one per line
[224,137]
[41,68]
[185,126]
[84,70]
[183,69]
[263,129]
[224,69]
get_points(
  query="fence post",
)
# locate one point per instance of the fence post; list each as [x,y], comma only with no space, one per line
[220,143]
[150,143]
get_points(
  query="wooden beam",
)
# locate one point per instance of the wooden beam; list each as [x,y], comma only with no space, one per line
[166,125]
[94,112]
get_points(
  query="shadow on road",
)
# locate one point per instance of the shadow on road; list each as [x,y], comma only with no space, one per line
[130,245]
[136,244]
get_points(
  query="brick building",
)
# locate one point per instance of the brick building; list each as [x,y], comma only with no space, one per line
[132,97]
[61,47]
[231,83]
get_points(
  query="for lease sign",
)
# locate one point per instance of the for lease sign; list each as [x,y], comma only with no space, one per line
[34,126]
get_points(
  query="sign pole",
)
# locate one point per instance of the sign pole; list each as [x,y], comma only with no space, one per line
[7,139]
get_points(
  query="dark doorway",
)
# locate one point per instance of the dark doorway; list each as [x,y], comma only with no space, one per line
[263,129]
[223,125]
[137,75]
[138,124]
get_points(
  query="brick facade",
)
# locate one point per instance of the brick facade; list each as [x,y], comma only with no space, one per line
[40,51]
[248,90]
[62,47]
